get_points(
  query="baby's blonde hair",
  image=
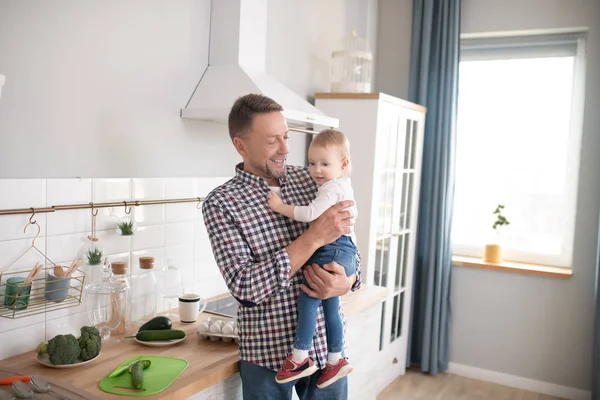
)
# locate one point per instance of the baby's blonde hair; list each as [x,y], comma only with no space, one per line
[334,138]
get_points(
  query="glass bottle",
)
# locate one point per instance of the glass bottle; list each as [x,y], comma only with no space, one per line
[119,270]
[143,293]
[106,300]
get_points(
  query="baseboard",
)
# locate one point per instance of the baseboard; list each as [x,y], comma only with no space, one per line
[532,385]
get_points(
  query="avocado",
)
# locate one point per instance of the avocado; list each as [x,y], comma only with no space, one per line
[156,324]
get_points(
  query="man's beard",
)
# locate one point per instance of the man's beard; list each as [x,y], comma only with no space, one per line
[269,172]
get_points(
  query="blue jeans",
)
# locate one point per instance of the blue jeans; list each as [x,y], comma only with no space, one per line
[258,383]
[343,252]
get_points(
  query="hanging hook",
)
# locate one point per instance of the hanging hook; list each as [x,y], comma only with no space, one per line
[199,205]
[127,211]
[32,222]
[94,213]
[32,215]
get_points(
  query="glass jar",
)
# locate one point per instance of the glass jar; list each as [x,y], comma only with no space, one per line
[119,270]
[171,287]
[106,300]
[143,293]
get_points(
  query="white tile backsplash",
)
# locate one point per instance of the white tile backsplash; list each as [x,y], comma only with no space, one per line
[182,257]
[180,232]
[69,191]
[179,188]
[147,237]
[149,215]
[108,190]
[20,340]
[65,248]
[180,212]
[173,231]
[12,226]
[22,193]
[18,254]
[149,189]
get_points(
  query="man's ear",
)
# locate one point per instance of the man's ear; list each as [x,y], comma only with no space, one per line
[240,146]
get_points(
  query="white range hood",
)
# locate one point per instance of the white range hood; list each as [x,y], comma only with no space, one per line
[236,66]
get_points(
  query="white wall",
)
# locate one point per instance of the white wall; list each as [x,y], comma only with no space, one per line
[393,47]
[537,328]
[94,88]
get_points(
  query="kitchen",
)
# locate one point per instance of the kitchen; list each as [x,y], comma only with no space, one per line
[114,83]
[120,113]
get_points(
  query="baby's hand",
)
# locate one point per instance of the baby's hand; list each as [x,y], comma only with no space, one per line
[274,200]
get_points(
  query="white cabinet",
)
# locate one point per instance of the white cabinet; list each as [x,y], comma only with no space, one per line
[386,140]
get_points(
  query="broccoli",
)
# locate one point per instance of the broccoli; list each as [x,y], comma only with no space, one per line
[89,343]
[63,349]
[42,348]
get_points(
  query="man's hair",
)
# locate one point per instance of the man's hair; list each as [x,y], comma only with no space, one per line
[245,108]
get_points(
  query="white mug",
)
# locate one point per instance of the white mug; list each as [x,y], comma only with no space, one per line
[189,307]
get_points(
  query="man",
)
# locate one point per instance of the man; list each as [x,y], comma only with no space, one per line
[260,252]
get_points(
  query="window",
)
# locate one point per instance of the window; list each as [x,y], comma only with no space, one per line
[520,112]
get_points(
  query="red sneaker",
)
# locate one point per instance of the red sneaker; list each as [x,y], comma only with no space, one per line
[333,372]
[292,371]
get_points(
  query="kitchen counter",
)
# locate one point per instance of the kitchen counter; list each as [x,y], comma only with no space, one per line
[209,362]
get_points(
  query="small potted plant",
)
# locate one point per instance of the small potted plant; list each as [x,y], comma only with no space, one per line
[493,251]
[94,256]
[126,227]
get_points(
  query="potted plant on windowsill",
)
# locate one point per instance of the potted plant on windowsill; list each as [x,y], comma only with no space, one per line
[493,251]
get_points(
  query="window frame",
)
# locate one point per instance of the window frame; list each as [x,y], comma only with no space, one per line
[540,44]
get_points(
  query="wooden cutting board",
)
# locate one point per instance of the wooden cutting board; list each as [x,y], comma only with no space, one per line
[62,388]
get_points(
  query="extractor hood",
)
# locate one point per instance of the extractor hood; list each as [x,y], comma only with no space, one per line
[236,66]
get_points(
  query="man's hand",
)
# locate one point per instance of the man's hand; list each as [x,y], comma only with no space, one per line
[275,201]
[326,282]
[332,224]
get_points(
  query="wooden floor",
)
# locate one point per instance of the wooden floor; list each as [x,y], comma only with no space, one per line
[415,385]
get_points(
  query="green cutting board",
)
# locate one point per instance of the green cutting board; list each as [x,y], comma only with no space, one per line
[161,373]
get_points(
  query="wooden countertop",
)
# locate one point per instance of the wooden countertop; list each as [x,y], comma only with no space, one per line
[209,362]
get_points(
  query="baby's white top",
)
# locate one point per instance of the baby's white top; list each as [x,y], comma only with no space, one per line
[330,193]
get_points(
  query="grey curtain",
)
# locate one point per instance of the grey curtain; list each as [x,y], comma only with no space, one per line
[434,84]
[596,354]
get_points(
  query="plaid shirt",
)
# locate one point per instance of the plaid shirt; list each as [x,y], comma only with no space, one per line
[248,241]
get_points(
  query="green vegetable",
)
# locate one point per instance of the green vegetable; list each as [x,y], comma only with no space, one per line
[137,375]
[42,348]
[126,228]
[89,343]
[63,349]
[151,336]
[156,324]
[145,363]
[123,368]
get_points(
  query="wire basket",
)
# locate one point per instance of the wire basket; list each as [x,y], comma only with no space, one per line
[43,294]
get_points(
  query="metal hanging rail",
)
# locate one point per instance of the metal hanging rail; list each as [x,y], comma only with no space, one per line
[93,206]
